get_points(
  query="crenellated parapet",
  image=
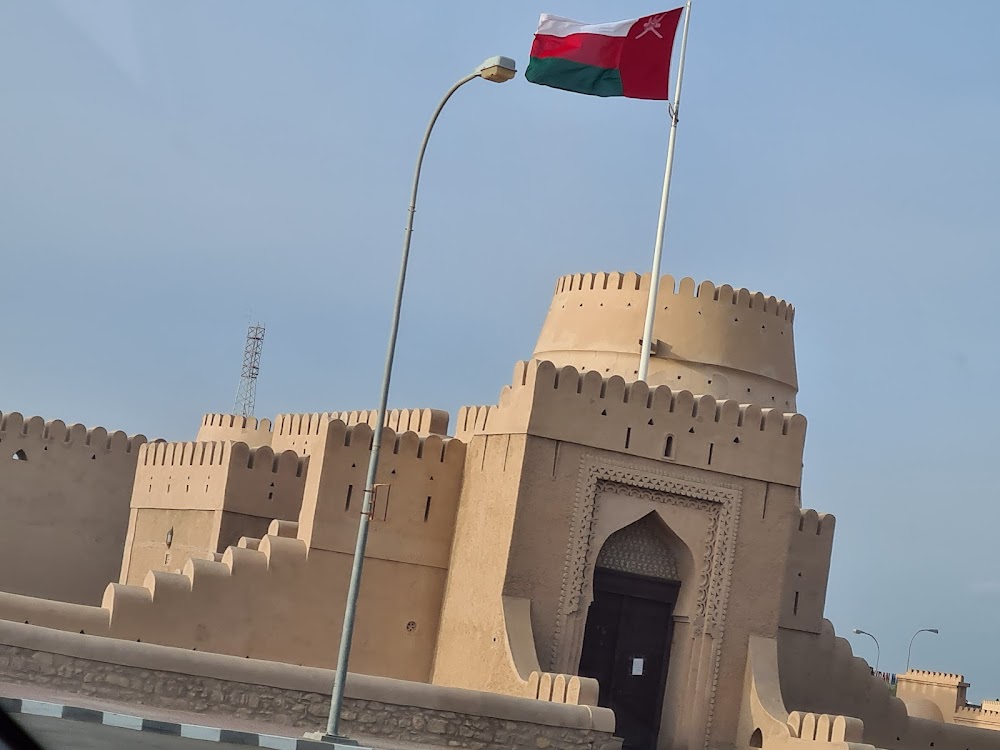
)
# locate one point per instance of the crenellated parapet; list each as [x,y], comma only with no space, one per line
[24,434]
[413,517]
[707,291]
[718,340]
[934,678]
[298,431]
[192,500]
[659,423]
[168,471]
[250,430]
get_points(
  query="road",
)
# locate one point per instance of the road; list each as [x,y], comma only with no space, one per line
[63,734]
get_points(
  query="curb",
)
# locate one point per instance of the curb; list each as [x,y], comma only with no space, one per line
[16,706]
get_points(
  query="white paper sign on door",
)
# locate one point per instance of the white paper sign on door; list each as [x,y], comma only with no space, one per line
[637,667]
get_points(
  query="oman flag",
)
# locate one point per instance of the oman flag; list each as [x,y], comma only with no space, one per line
[624,58]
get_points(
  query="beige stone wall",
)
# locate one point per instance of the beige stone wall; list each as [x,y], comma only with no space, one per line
[659,424]
[234,604]
[221,427]
[148,550]
[933,695]
[65,507]
[413,523]
[767,721]
[540,499]
[819,673]
[298,432]
[808,572]
[724,342]
[388,713]
[979,717]
[942,696]
[203,497]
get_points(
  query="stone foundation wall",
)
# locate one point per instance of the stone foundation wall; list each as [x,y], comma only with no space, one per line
[389,712]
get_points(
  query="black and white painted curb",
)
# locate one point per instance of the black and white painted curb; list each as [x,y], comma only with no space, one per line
[16,706]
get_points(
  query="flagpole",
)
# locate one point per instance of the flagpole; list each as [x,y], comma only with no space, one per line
[654,276]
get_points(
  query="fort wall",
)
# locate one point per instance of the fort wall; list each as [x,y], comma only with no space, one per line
[982,717]
[220,427]
[934,695]
[65,497]
[720,341]
[672,427]
[808,572]
[196,499]
[233,603]
[820,674]
[298,432]
[237,604]
[524,527]
[413,522]
[477,617]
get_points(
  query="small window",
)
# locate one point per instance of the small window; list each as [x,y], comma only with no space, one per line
[668,449]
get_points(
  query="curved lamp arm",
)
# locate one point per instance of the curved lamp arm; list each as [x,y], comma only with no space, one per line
[878,649]
[910,649]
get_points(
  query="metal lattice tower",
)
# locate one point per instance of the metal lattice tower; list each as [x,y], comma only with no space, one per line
[247,393]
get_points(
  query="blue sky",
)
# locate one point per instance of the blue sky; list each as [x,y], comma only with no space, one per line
[168,169]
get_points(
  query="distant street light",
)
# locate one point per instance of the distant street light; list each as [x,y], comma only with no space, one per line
[496,70]
[878,650]
[910,649]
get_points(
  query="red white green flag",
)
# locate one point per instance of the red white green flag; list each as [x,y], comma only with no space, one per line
[622,58]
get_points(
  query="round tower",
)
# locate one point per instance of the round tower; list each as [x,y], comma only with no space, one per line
[729,343]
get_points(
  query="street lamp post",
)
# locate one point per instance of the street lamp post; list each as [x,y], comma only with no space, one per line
[910,649]
[496,70]
[878,650]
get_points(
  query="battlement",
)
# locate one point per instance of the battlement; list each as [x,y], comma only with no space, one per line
[13,426]
[659,423]
[421,421]
[250,430]
[934,678]
[235,421]
[204,453]
[221,453]
[413,521]
[989,711]
[706,291]
[362,436]
[299,432]
[715,340]
[816,524]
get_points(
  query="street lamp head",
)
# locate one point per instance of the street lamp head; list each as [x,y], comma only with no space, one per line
[497,69]
[932,630]
[857,632]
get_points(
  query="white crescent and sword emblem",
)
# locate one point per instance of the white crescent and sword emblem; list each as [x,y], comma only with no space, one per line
[652,26]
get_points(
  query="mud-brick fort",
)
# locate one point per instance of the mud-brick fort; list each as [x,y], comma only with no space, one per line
[590,561]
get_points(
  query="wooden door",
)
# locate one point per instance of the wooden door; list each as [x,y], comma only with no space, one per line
[626,647]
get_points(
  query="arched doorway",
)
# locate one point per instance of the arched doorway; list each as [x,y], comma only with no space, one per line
[626,643]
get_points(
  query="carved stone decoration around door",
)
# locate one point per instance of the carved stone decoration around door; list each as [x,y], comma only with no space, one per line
[639,549]
[721,504]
